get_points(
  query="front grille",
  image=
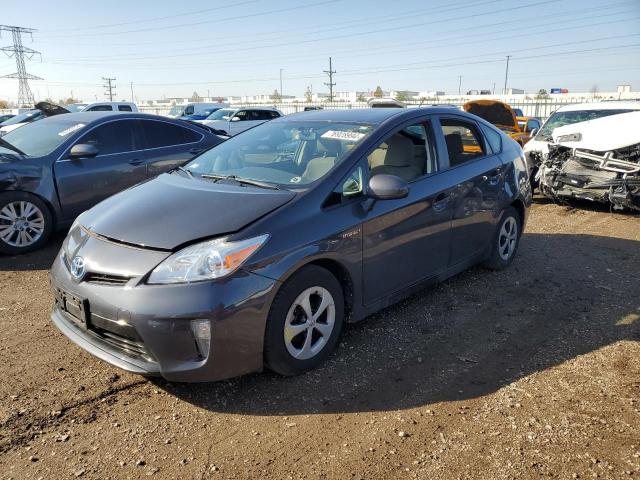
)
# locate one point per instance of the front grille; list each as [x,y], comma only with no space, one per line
[106,279]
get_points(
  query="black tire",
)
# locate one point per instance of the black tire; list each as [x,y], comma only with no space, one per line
[497,260]
[276,355]
[7,198]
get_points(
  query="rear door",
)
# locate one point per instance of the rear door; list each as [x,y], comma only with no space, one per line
[480,179]
[169,145]
[120,163]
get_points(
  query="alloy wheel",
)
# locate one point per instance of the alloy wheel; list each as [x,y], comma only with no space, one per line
[21,224]
[508,238]
[309,323]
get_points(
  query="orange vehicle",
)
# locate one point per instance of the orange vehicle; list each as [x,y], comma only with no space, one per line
[502,116]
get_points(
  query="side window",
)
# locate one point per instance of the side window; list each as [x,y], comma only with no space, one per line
[242,115]
[100,108]
[113,137]
[494,139]
[163,134]
[124,108]
[351,186]
[408,154]
[273,114]
[463,140]
[188,111]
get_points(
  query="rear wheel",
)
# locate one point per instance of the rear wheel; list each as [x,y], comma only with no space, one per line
[305,322]
[506,240]
[25,222]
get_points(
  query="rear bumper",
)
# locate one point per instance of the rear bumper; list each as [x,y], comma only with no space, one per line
[146,329]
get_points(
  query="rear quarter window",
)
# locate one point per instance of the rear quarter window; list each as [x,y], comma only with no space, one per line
[494,139]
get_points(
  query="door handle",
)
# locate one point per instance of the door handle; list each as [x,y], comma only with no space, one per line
[495,176]
[196,151]
[441,201]
[136,161]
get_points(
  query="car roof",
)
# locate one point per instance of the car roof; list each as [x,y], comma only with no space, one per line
[270,109]
[88,117]
[600,106]
[361,115]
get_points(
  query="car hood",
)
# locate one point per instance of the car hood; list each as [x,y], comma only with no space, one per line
[217,124]
[494,112]
[602,134]
[172,210]
[50,109]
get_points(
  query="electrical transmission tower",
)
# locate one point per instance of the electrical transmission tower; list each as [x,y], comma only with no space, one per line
[25,96]
[331,83]
[110,88]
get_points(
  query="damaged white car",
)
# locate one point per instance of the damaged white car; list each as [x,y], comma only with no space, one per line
[597,160]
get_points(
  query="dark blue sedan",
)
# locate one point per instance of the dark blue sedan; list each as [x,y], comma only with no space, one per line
[259,250]
[54,169]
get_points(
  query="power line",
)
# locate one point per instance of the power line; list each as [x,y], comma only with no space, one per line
[109,92]
[19,52]
[203,22]
[331,83]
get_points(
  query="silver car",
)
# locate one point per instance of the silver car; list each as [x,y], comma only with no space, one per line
[232,121]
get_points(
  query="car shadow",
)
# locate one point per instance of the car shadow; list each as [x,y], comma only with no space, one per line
[564,296]
[37,260]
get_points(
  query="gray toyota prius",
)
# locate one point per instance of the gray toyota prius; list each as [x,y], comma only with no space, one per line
[256,252]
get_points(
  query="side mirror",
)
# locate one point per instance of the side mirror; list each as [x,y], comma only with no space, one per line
[387,187]
[236,119]
[533,132]
[83,150]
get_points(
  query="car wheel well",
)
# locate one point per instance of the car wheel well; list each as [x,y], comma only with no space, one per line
[342,275]
[519,206]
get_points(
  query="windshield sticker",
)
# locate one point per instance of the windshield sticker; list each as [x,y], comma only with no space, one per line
[69,130]
[344,136]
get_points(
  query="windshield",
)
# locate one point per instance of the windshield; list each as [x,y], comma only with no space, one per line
[24,117]
[559,119]
[289,154]
[75,107]
[222,114]
[41,138]
[176,110]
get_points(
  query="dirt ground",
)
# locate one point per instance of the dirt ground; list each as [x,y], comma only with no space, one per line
[531,372]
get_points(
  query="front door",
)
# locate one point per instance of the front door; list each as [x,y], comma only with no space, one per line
[407,240]
[120,163]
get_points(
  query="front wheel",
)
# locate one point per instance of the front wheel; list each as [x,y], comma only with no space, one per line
[505,241]
[25,222]
[305,322]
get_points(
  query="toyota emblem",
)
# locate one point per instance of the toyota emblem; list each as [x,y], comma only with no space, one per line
[77,267]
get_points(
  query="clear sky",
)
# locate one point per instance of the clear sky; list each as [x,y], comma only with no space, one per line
[227,47]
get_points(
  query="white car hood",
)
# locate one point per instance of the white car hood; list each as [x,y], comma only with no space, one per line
[217,124]
[602,134]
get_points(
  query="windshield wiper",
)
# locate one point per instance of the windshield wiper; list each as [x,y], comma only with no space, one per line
[6,144]
[185,170]
[246,181]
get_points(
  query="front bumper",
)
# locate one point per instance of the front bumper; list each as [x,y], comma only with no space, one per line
[146,329]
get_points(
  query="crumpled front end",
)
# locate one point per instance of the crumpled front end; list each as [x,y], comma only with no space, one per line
[606,177]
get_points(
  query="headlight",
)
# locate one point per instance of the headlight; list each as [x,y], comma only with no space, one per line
[205,261]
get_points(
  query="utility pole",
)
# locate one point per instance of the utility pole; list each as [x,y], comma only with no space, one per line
[25,95]
[281,82]
[110,87]
[331,83]
[506,75]
[132,101]
[459,83]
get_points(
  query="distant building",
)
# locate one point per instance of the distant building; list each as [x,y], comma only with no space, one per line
[624,88]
